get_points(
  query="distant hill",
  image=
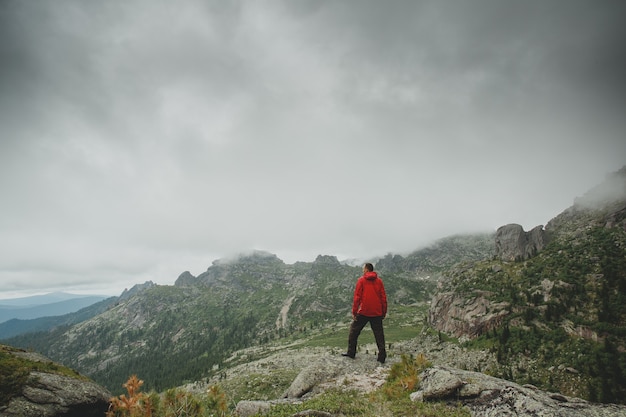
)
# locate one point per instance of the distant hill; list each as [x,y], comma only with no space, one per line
[555,319]
[54,304]
[37,300]
[172,334]
[16,327]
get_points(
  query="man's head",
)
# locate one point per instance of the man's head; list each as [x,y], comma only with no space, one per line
[368,267]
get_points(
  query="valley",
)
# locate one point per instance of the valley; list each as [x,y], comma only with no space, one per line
[544,308]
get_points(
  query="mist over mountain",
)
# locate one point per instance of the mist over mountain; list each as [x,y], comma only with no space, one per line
[554,317]
[172,334]
[561,305]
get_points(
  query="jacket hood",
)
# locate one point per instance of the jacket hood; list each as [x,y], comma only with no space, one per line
[370,275]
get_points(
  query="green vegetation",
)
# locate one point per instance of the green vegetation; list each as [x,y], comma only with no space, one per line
[392,399]
[259,386]
[13,375]
[402,323]
[173,335]
[376,404]
[173,403]
[189,335]
[568,311]
[404,376]
[15,371]
[565,330]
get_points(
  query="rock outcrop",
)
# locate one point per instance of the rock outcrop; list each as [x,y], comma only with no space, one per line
[50,394]
[481,394]
[323,372]
[514,244]
[136,289]
[460,315]
[185,279]
[327,368]
[486,396]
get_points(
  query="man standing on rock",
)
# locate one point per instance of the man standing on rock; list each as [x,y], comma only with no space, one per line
[369,306]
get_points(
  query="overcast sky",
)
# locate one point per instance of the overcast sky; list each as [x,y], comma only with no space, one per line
[140,139]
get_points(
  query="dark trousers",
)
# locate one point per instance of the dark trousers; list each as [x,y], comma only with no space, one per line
[376,323]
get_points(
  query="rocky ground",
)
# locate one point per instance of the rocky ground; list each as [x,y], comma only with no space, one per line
[363,372]
[457,374]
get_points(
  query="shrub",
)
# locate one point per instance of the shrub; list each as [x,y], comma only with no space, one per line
[404,376]
[13,376]
[136,404]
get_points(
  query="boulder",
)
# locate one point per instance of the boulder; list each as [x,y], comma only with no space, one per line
[514,244]
[439,383]
[486,396]
[332,370]
[250,408]
[51,394]
[326,368]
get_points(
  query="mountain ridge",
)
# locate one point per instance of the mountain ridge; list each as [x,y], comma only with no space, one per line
[16,327]
[193,330]
[216,312]
[566,303]
[40,299]
[55,308]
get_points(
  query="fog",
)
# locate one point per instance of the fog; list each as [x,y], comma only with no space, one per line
[142,139]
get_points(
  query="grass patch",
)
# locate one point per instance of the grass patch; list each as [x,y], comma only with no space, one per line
[334,401]
[395,326]
[15,371]
[258,386]
[390,400]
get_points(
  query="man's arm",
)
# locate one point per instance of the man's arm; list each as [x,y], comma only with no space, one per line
[356,302]
[383,298]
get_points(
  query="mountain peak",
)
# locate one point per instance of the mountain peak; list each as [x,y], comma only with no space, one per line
[611,191]
[184,279]
[603,205]
[254,256]
[137,288]
[326,260]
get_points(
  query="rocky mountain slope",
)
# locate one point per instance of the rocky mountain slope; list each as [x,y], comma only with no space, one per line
[172,334]
[33,385]
[551,298]
[15,327]
[291,379]
[545,307]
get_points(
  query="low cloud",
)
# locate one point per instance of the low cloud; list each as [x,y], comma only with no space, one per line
[133,150]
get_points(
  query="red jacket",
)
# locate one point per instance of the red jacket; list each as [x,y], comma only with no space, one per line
[370,298]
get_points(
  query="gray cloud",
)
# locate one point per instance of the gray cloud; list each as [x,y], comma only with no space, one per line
[140,139]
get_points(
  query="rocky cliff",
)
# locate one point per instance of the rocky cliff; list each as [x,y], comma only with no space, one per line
[541,308]
[459,315]
[486,396]
[474,298]
[34,386]
[553,297]
[514,244]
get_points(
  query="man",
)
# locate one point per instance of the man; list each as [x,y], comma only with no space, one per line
[369,306]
